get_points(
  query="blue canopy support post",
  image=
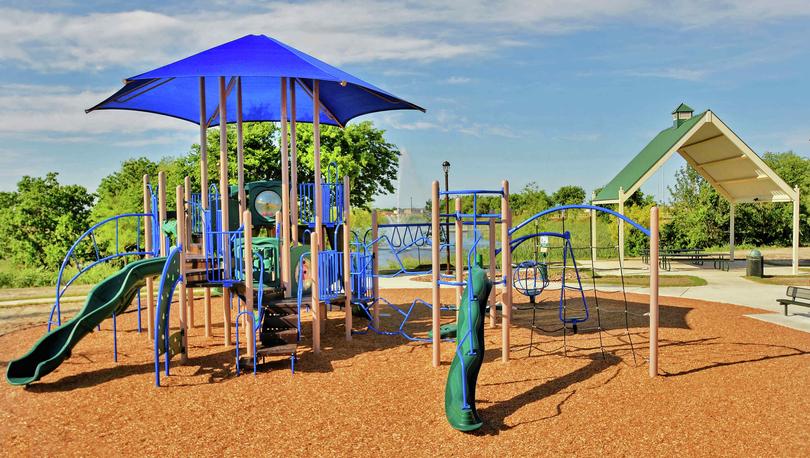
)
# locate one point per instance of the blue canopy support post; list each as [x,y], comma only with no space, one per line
[240,153]
[459,264]
[223,198]
[317,234]
[293,165]
[285,196]
[204,196]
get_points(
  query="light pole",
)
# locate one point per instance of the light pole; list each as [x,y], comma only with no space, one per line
[446,168]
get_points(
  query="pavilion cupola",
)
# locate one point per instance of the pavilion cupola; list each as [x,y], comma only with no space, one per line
[681,114]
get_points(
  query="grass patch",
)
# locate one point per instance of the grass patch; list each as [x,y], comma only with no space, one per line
[644,280]
[786,280]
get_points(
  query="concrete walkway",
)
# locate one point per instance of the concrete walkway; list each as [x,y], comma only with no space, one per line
[728,287]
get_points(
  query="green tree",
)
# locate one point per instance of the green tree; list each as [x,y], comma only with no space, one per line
[42,220]
[360,151]
[568,195]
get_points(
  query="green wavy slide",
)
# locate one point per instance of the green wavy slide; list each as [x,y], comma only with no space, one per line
[470,317]
[112,295]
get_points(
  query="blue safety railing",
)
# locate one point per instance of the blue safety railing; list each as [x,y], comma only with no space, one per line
[197,213]
[332,194]
[224,261]
[330,275]
[98,257]
[258,315]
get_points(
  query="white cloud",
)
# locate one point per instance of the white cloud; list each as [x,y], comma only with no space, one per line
[446,121]
[458,80]
[351,31]
[41,110]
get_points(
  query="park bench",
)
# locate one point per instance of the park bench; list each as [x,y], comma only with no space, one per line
[796,296]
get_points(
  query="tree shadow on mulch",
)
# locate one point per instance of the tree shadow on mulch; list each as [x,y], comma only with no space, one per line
[747,348]
[494,416]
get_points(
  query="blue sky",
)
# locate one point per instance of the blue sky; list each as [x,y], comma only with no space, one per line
[552,92]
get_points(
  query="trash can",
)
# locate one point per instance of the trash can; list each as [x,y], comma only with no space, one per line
[753,264]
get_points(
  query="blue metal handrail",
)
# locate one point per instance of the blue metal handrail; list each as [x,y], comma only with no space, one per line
[90,235]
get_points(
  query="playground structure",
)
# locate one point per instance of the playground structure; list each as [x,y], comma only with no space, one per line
[273,280]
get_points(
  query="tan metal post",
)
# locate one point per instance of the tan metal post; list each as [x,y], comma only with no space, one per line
[316,300]
[285,195]
[187,244]
[347,253]
[796,232]
[436,271]
[621,226]
[240,153]
[493,312]
[731,232]
[506,272]
[150,283]
[182,306]
[317,234]
[594,252]
[162,211]
[293,165]
[459,255]
[223,198]
[247,220]
[653,291]
[204,194]
[375,267]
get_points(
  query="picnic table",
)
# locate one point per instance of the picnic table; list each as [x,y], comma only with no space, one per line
[696,256]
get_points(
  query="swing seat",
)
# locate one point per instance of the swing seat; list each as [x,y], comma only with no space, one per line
[531,278]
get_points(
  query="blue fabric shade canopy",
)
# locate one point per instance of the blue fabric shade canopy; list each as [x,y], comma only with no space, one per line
[260,62]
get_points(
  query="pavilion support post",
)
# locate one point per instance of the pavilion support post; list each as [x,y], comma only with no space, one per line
[375,268]
[285,195]
[293,165]
[731,237]
[347,253]
[204,196]
[250,325]
[506,271]
[459,255]
[317,234]
[162,212]
[150,283]
[187,244]
[435,272]
[796,232]
[183,305]
[223,198]
[653,291]
[493,312]
[621,227]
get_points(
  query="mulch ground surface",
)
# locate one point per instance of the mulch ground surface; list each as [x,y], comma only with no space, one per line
[730,386]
